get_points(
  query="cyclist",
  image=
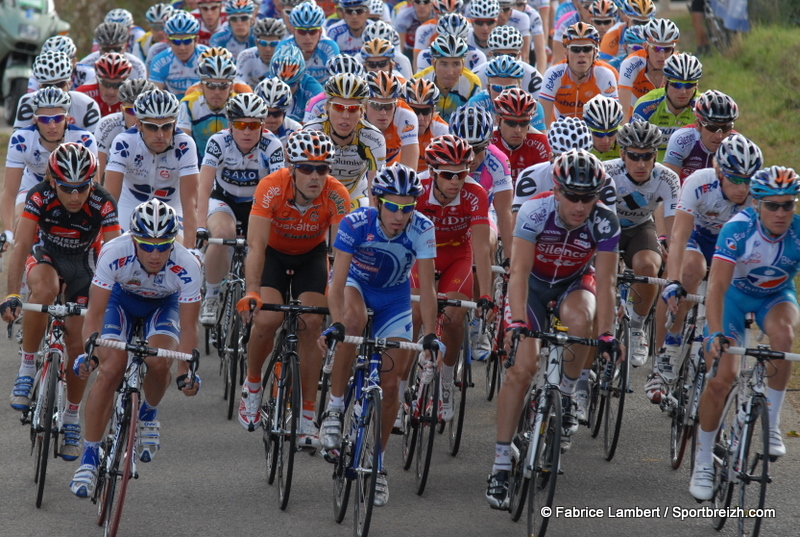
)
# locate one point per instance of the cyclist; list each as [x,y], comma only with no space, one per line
[567,271]
[341,63]
[692,147]
[307,19]
[125,17]
[394,118]
[360,149]
[112,70]
[156,16]
[155,160]
[253,63]
[370,241]
[483,15]
[457,25]
[379,55]
[603,116]
[80,73]
[753,271]
[513,135]
[579,14]
[237,36]
[427,31]
[456,83]
[642,71]
[422,96]
[604,16]
[538,43]
[671,107]
[28,149]
[408,19]
[711,197]
[209,15]
[235,159]
[146,275]
[65,219]
[293,209]
[642,184]
[277,95]
[509,16]
[212,52]
[289,66]
[113,37]
[507,41]
[569,85]
[614,46]
[175,69]
[347,33]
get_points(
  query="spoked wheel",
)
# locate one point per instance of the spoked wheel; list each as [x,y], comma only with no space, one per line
[722,457]
[428,420]
[679,428]
[44,429]
[542,485]
[289,413]
[518,487]
[462,380]
[614,397]
[342,479]
[596,403]
[121,470]
[411,424]
[232,349]
[271,426]
[492,371]
[754,477]
[367,465]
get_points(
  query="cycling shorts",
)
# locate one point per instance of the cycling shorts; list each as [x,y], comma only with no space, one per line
[161,316]
[391,309]
[703,243]
[738,305]
[697,6]
[454,270]
[310,271]
[240,212]
[540,294]
[637,238]
[73,270]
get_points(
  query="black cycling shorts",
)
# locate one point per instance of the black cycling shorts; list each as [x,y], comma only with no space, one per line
[76,271]
[698,6]
[310,271]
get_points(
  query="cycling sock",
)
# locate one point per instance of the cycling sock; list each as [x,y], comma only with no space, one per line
[447,373]
[637,321]
[147,412]
[212,290]
[253,384]
[90,453]
[705,446]
[774,404]
[28,366]
[568,385]
[502,457]
[308,410]
[71,413]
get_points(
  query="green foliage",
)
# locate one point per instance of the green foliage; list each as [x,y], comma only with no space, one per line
[85,15]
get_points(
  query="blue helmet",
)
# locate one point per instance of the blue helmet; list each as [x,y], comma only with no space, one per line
[237,7]
[181,23]
[774,181]
[505,67]
[288,65]
[307,15]
[472,123]
[397,179]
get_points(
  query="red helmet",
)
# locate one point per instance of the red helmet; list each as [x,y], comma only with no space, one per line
[515,103]
[113,66]
[448,150]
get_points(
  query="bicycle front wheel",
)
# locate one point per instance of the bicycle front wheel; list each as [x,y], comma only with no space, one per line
[121,469]
[546,462]
[289,409]
[723,458]
[754,474]
[462,380]
[411,422]
[271,426]
[368,462]
[617,387]
[232,351]
[428,420]
[596,403]
[679,428]
[44,429]
[342,478]
[518,488]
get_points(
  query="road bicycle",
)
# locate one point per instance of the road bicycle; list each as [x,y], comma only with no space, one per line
[493,370]
[718,34]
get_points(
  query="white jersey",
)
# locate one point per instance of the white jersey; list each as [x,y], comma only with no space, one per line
[538,178]
[249,67]
[108,129]
[238,174]
[637,202]
[118,264]
[138,68]
[84,112]
[702,197]
[146,175]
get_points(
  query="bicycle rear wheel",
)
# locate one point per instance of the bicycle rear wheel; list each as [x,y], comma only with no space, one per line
[542,485]
[289,409]
[491,373]
[231,348]
[679,428]
[44,429]
[272,428]
[367,465]
[462,380]
[723,458]
[754,476]
[518,488]
[411,424]
[122,466]
[342,478]
[596,402]
[617,388]
[428,421]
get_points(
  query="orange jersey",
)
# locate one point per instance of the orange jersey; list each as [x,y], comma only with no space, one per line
[634,75]
[294,232]
[568,97]
[438,127]
[610,42]
[402,131]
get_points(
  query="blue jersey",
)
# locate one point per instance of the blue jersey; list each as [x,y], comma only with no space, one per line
[379,262]
[315,65]
[175,75]
[227,40]
[308,89]
[764,265]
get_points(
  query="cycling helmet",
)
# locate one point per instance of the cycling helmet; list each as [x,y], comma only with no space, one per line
[472,123]
[505,67]
[347,86]
[738,156]
[567,133]
[236,7]
[181,23]
[381,30]
[122,16]
[447,6]
[343,63]
[515,103]
[398,180]
[113,66]
[454,24]
[377,48]
[580,31]
[639,135]
[421,92]
[603,9]
[291,4]
[213,52]
[350,4]
[504,38]
[72,163]
[577,170]
[60,43]
[484,9]
[683,68]
[52,67]
[448,46]
[376,7]
[156,104]
[639,9]
[275,92]
[602,113]
[51,98]
[159,13]
[774,181]
[307,15]
[662,31]
[288,65]
[154,219]
[383,85]
[309,146]
[111,33]
[449,150]
[217,67]
[715,107]
[131,88]
[634,35]
[246,105]
[269,26]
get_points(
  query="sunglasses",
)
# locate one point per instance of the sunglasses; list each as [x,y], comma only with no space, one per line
[572,197]
[497,88]
[239,18]
[69,188]
[155,127]
[668,50]
[349,108]
[376,64]
[634,48]
[128,110]
[637,157]
[308,169]
[382,107]
[265,43]
[715,128]
[47,120]
[683,85]
[276,113]
[308,31]
[108,84]
[773,206]
[505,9]
[422,2]
[581,49]
[246,125]
[393,207]
[513,123]
[152,246]
[484,22]
[449,176]
[602,22]
[355,11]
[118,49]
[427,111]
[604,134]
[182,41]
[639,22]
[736,179]
[217,85]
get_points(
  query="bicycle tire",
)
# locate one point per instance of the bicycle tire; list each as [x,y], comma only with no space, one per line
[271,431]
[754,477]
[289,412]
[207,330]
[490,370]
[428,422]
[596,403]
[324,389]
[455,427]
[518,487]
[46,413]
[411,424]
[232,332]
[342,479]
[123,465]
[615,397]
[542,484]
[679,428]
[723,486]
[367,466]
[694,404]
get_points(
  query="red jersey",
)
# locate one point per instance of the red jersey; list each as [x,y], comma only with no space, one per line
[454,221]
[93,91]
[533,150]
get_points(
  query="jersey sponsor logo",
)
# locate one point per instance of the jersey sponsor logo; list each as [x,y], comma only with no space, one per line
[36,198]
[767,277]
[122,148]
[179,271]
[730,244]
[19,143]
[107,208]
[706,188]
[121,262]
[181,150]
[164,174]
[409,127]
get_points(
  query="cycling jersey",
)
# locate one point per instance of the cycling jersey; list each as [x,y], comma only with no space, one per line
[653,108]
[402,131]
[226,39]
[467,86]
[142,46]
[108,129]
[83,112]
[702,197]
[454,221]
[296,230]
[493,173]
[81,74]
[287,127]
[563,254]
[533,150]
[685,150]
[633,75]
[636,202]
[562,23]
[531,79]
[307,89]
[348,44]
[138,69]
[474,58]
[483,100]
[155,50]
[521,21]
[611,154]
[197,119]
[569,98]
[612,43]
[537,26]
[175,75]
[539,178]
[237,174]
[147,175]
[315,65]
[93,91]
[406,22]
[426,33]
[438,127]
[249,67]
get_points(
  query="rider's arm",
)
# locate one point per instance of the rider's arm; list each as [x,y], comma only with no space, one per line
[188,313]
[13,181]
[409,155]
[521,265]
[341,267]
[258,230]
[98,300]
[114,183]
[674,168]
[482,257]
[540,51]
[505,222]
[681,231]
[207,174]
[719,279]
[547,106]
[427,291]
[188,186]
[23,240]
[668,227]
[606,264]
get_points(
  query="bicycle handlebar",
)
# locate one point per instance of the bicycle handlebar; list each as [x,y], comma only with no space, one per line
[632,278]
[445,302]
[295,308]
[70,309]
[764,354]
[557,338]
[144,350]
[239,242]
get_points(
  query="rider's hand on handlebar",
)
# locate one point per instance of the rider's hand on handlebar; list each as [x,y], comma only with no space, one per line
[244,305]
[9,307]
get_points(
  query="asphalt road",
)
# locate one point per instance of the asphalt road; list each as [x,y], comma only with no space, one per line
[209,479]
